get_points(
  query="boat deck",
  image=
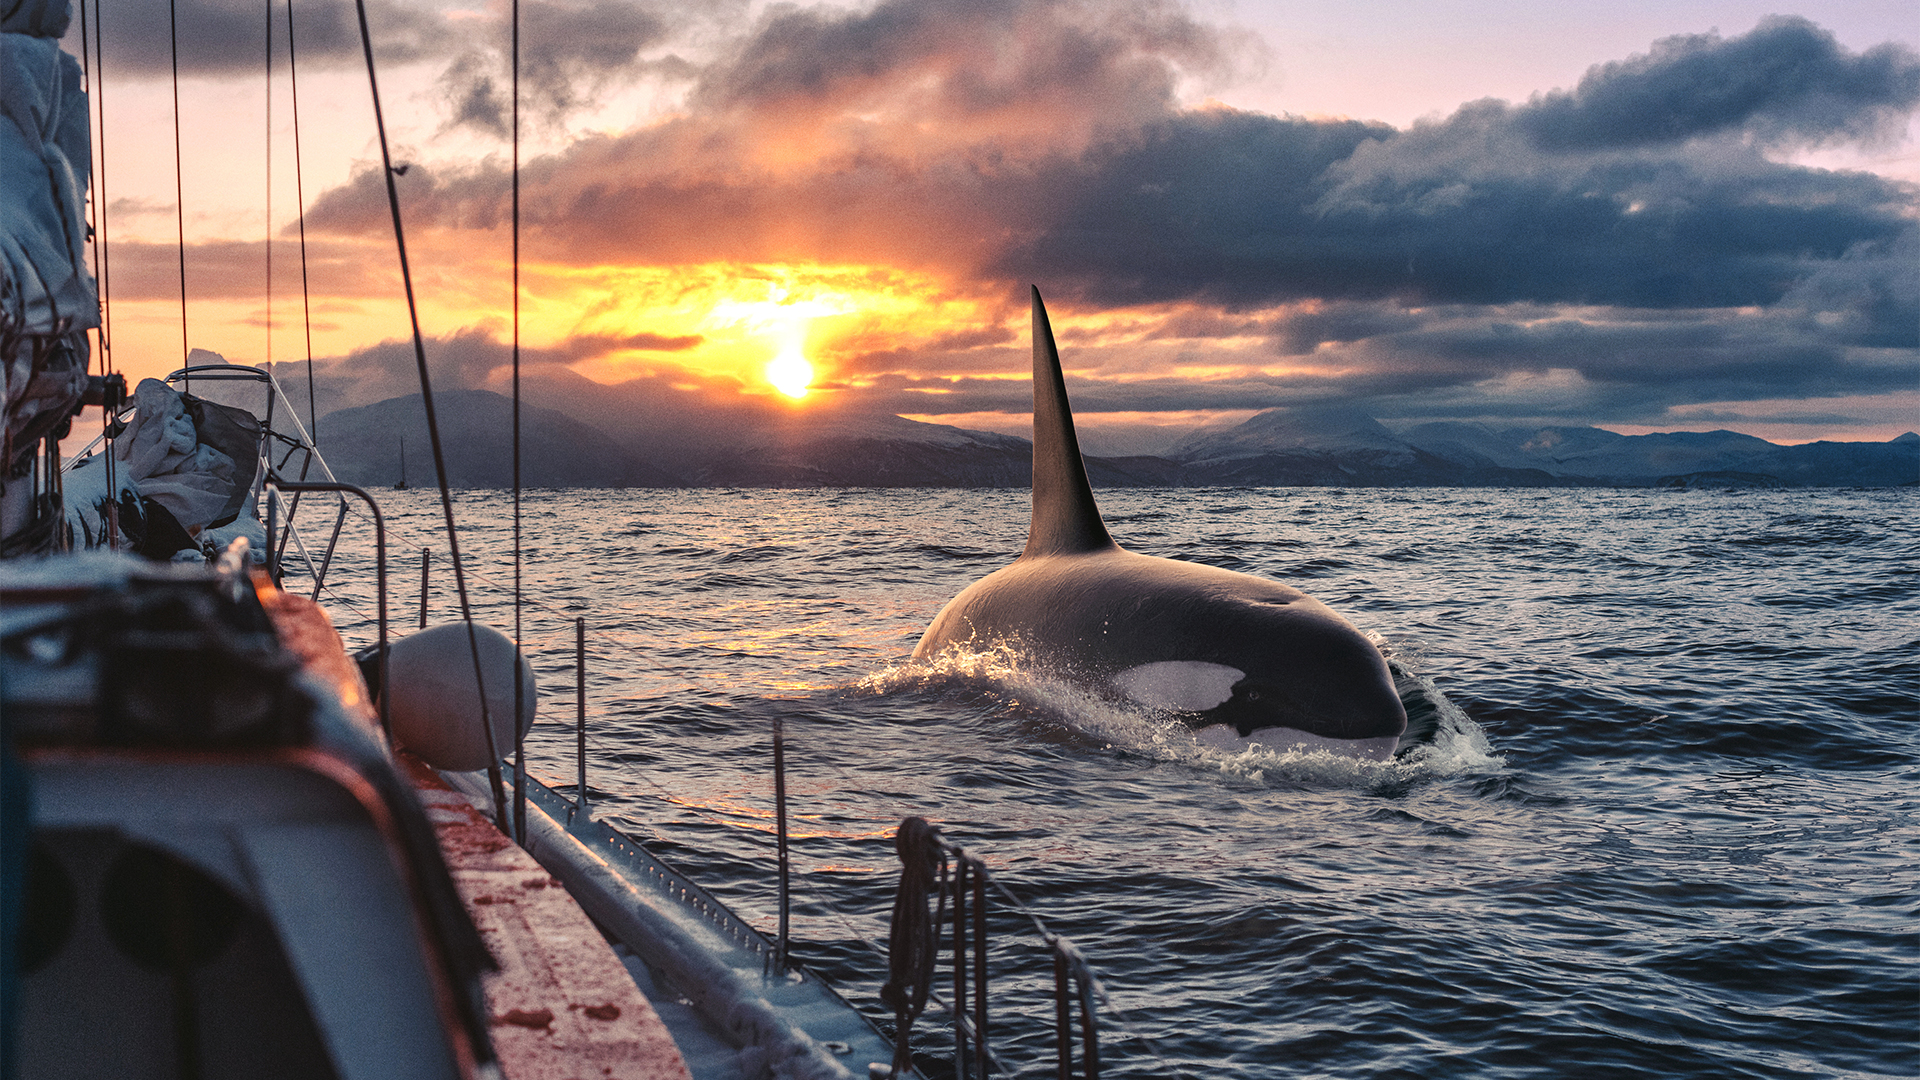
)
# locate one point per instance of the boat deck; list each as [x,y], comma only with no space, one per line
[563,1006]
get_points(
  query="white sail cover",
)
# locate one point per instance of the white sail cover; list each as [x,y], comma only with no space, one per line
[45,160]
[36,18]
[47,297]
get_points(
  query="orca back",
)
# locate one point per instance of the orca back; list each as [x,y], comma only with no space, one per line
[1065,519]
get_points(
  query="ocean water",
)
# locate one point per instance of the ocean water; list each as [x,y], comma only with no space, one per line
[1668,829]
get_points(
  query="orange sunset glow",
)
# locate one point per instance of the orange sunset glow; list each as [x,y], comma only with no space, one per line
[841,208]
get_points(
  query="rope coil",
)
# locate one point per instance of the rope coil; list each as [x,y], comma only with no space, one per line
[913,938]
[913,950]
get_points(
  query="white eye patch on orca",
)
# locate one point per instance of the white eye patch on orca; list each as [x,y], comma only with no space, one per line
[1183,685]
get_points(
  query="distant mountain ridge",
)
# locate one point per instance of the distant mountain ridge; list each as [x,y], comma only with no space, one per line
[655,446]
[1587,454]
[363,445]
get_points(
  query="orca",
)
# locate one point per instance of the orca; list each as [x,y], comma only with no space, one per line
[1242,659]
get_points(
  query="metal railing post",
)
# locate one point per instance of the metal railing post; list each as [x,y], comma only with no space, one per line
[580,709]
[1089,1033]
[380,580]
[326,560]
[960,964]
[1062,1016]
[780,829]
[979,964]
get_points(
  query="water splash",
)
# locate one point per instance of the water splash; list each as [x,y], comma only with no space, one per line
[1448,742]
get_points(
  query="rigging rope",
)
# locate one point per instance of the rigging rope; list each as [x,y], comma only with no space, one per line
[300,200]
[179,185]
[267,10]
[433,425]
[92,55]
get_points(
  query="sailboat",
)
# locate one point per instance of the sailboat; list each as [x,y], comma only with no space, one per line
[264,856]
[401,484]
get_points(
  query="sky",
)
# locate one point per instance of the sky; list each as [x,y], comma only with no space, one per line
[1646,217]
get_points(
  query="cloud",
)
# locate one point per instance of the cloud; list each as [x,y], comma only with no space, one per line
[1786,81]
[969,66]
[1612,251]
[1214,205]
[137,37]
[910,131]
[1243,209]
[235,269]
[468,359]
[569,54]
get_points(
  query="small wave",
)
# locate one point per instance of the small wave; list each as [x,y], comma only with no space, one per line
[1441,738]
[947,551]
[1448,742]
[757,553]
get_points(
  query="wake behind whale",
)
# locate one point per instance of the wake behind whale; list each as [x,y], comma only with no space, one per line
[1243,660]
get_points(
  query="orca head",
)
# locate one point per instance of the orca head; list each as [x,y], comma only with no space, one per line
[1357,714]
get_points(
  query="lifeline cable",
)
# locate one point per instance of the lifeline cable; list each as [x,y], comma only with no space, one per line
[433,426]
[519,742]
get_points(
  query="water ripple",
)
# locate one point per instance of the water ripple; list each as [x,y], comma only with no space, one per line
[1665,826]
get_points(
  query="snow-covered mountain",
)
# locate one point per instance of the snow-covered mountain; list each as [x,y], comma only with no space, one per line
[649,435]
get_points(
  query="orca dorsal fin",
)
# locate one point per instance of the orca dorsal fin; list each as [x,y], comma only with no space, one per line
[1065,519]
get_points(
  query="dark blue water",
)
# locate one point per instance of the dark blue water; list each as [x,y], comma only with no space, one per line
[1669,829]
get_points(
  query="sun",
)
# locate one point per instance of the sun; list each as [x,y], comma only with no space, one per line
[789,371]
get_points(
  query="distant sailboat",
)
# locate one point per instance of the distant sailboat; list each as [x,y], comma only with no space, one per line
[402,485]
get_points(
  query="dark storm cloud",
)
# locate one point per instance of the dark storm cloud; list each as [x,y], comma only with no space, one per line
[1092,397]
[228,37]
[1243,210]
[1613,365]
[988,56]
[1611,194]
[464,360]
[568,52]
[1338,323]
[1219,207]
[1787,79]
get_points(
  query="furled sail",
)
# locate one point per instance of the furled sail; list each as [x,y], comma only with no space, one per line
[47,296]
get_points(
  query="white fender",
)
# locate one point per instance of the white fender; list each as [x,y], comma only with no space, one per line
[436,708]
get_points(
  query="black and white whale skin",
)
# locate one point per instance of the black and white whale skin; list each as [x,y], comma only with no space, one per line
[1243,659]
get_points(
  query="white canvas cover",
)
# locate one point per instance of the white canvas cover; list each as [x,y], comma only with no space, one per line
[47,296]
[45,160]
[37,18]
[161,454]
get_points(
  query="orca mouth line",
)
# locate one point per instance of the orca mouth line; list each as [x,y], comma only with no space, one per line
[1285,739]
